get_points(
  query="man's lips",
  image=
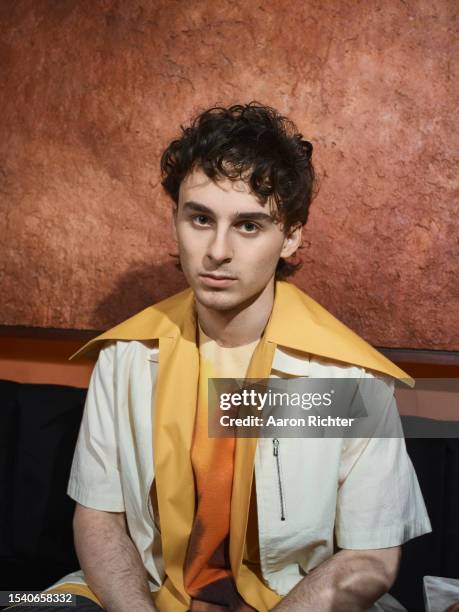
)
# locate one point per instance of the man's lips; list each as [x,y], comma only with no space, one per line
[218,276]
[212,280]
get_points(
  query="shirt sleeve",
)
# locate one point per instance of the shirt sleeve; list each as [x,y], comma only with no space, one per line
[95,479]
[379,501]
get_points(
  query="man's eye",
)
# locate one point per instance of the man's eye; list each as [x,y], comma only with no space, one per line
[200,219]
[250,227]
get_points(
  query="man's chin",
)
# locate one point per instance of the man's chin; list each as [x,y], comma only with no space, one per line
[219,299]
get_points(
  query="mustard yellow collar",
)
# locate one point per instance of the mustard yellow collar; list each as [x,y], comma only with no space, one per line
[297,322]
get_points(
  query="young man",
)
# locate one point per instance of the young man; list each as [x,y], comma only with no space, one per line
[171,519]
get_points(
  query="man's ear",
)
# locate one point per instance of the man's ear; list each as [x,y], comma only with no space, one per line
[292,241]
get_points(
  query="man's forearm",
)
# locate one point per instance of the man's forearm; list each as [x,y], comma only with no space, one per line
[350,581]
[112,566]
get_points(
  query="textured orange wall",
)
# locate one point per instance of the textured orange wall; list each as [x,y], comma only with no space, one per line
[91,92]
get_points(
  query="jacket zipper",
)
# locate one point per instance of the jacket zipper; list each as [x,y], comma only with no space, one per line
[279,480]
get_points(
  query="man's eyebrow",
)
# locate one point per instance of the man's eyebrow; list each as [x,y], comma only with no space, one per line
[197,207]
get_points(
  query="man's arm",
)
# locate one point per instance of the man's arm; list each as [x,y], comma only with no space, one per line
[350,581]
[110,562]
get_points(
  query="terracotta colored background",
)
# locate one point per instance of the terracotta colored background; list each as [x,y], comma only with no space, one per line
[91,93]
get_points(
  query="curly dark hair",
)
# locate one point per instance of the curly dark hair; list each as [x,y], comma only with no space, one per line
[254,143]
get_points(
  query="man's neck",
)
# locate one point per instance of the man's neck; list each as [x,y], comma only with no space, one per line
[242,325]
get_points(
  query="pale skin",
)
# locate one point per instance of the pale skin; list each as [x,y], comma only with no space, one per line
[349,581]
[221,228]
[112,566]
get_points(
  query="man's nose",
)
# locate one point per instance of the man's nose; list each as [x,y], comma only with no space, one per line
[219,248]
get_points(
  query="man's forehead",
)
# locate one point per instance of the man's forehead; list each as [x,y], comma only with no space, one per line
[220,192]
[198,180]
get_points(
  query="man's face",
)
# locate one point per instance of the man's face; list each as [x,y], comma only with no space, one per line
[223,231]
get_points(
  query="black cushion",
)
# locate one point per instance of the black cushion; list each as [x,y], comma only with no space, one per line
[39,425]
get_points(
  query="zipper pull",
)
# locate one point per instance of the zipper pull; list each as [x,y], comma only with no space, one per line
[279,481]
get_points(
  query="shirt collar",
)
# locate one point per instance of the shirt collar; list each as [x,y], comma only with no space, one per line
[296,322]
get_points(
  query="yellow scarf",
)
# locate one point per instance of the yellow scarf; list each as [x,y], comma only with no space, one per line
[296,322]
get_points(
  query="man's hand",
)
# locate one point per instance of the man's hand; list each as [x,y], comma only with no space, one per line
[350,581]
[111,563]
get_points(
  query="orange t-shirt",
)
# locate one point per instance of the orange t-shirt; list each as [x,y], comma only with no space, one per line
[207,572]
